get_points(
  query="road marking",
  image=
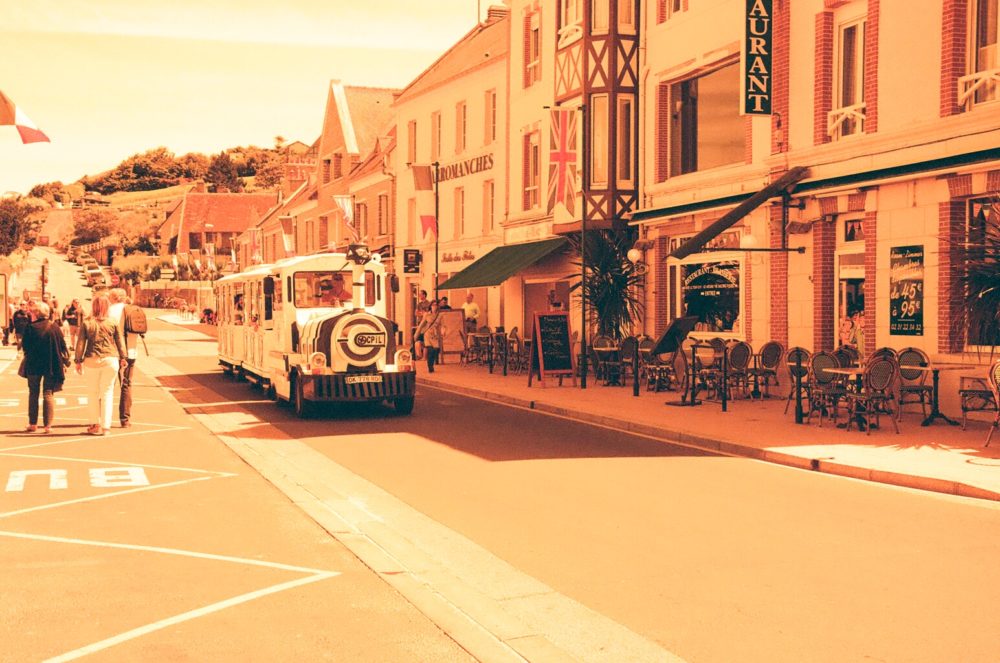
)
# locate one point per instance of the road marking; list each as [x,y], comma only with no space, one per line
[100,477]
[105,461]
[163,429]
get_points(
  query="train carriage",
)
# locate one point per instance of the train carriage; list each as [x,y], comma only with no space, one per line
[314,329]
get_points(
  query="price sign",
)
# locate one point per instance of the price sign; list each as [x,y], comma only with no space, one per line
[906,290]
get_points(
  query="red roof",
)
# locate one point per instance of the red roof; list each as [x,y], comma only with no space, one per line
[227,212]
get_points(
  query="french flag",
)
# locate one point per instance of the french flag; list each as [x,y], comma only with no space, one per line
[12,115]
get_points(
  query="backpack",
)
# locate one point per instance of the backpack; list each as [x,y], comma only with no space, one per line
[135,320]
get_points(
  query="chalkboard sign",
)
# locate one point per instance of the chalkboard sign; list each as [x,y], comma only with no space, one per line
[551,347]
[452,332]
[906,290]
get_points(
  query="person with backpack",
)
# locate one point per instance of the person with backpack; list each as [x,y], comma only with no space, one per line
[132,321]
[72,315]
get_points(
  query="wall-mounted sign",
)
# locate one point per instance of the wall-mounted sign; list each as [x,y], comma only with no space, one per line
[757,82]
[458,257]
[906,290]
[467,167]
[411,261]
[711,292]
[727,240]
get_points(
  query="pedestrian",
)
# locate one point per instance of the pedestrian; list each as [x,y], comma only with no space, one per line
[100,350]
[432,333]
[443,304]
[46,358]
[471,310]
[19,321]
[118,313]
[72,315]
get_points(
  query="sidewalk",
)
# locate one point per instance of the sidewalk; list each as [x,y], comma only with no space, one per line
[939,457]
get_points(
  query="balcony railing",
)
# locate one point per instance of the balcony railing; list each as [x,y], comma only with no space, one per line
[981,81]
[845,121]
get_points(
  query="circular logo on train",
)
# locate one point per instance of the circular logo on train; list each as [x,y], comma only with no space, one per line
[361,338]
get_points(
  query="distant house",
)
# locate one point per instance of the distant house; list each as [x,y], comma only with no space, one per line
[210,222]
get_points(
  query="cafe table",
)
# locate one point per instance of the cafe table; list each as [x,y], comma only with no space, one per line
[608,355]
[856,372]
[935,380]
[481,341]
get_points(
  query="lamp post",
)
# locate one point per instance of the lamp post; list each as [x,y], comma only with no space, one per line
[45,268]
[437,228]
[585,175]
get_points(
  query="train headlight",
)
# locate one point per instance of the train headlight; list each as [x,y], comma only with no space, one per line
[317,362]
[404,361]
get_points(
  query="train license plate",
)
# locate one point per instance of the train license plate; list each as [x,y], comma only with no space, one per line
[358,379]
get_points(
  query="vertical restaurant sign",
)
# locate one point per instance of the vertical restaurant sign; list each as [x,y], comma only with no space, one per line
[906,290]
[757,82]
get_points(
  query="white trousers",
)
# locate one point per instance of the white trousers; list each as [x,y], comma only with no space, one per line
[101,374]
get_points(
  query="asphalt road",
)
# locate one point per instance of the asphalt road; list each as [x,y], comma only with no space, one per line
[716,559]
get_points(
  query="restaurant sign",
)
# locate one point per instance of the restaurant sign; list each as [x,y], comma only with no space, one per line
[756,78]
[411,261]
[467,167]
[906,290]
[711,292]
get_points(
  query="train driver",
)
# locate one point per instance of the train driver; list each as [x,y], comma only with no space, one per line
[332,291]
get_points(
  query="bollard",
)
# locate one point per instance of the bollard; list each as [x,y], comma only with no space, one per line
[798,388]
[635,372]
[506,351]
[725,379]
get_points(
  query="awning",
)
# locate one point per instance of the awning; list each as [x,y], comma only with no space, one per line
[501,263]
[728,219]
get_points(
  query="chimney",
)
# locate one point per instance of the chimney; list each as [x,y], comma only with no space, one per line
[495,13]
[199,187]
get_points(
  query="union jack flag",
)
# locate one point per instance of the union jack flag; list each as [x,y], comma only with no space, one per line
[562,159]
[346,205]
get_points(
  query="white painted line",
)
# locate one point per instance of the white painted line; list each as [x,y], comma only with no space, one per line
[129,463]
[186,616]
[43,507]
[91,437]
[169,551]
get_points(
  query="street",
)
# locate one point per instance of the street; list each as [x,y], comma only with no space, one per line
[469,527]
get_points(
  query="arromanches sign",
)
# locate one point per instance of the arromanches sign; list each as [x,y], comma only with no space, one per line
[453,171]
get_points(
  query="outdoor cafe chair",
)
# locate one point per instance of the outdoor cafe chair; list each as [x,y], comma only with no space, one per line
[768,361]
[975,395]
[797,366]
[740,355]
[875,396]
[994,381]
[846,356]
[658,371]
[825,389]
[913,387]
[629,349]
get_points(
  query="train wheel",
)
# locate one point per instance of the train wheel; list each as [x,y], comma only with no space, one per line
[240,374]
[303,408]
[271,392]
[403,405]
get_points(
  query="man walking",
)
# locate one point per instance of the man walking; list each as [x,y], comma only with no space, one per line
[116,312]
[471,310]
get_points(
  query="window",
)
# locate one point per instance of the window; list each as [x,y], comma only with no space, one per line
[980,85]
[980,265]
[531,170]
[489,202]
[435,135]
[854,230]
[316,289]
[338,166]
[570,21]
[848,116]
[361,218]
[711,292]
[411,219]
[706,130]
[667,8]
[383,214]
[326,171]
[599,17]
[626,16]
[599,140]
[461,121]
[532,49]
[490,133]
[624,141]
[411,141]
[459,212]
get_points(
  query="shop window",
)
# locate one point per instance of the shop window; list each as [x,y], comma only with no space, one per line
[980,267]
[706,129]
[711,292]
[848,117]
[981,82]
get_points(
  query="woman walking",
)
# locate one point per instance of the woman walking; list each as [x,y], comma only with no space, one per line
[430,330]
[100,349]
[45,360]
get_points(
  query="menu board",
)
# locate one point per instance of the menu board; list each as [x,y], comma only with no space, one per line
[452,332]
[551,346]
[906,290]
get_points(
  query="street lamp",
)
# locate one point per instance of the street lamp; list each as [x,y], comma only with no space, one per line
[45,266]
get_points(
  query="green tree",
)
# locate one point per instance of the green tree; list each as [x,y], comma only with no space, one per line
[19,222]
[192,166]
[270,172]
[612,283]
[93,224]
[50,192]
[222,173]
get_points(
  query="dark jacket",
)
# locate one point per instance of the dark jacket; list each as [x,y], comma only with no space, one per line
[19,321]
[45,351]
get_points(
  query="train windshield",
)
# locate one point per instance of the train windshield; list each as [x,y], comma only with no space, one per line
[318,289]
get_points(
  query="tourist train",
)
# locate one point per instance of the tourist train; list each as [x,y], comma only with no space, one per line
[314,328]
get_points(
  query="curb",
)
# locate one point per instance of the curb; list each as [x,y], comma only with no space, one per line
[729,447]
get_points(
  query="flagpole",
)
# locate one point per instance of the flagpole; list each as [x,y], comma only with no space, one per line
[437,228]
[583,248]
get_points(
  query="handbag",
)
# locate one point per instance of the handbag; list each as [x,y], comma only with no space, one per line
[21,370]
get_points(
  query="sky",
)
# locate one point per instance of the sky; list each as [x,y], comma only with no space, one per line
[106,79]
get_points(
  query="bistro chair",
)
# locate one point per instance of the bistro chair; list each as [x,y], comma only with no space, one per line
[825,390]
[975,395]
[768,361]
[912,383]
[847,356]
[994,382]
[875,396]
[740,355]
[629,349]
[882,352]
[797,365]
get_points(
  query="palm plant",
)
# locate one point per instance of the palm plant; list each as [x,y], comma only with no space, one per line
[612,283]
[980,281]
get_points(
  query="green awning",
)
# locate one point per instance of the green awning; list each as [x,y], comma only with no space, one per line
[501,263]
